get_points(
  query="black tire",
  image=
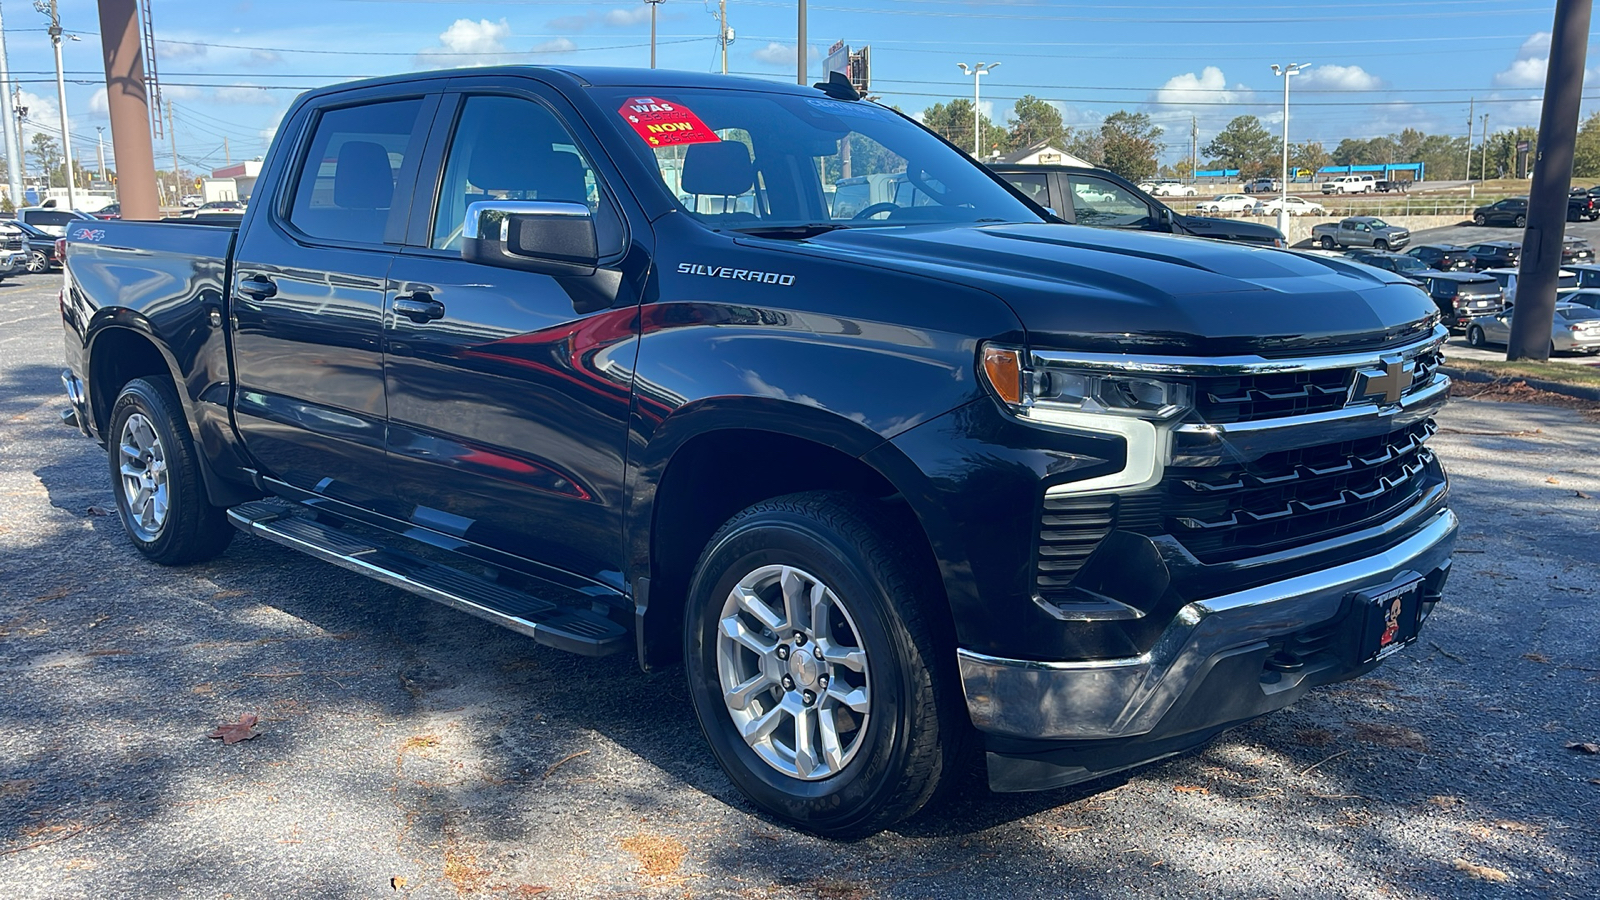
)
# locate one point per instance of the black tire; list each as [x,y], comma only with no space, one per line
[1520,221]
[1480,219]
[191,529]
[1328,243]
[1475,336]
[1381,245]
[915,723]
[38,262]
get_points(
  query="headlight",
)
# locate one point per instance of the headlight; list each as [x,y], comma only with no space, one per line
[1065,389]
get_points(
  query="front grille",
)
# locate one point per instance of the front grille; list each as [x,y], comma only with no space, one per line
[1295,497]
[1070,528]
[1246,398]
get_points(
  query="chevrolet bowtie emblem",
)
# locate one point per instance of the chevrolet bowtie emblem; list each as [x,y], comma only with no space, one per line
[1387,384]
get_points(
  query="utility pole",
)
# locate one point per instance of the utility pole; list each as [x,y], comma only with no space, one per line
[1194,147]
[1470,110]
[800,47]
[227,158]
[722,32]
[177,187]
[977,72]
[1483,164]
[100,149]
[1538,273]
[653,5]
[13,143]
[61,96]
[1283,197]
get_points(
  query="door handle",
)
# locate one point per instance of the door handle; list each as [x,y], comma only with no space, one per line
[419,307]
[257,287]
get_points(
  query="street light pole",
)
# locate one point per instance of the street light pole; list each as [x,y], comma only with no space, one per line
[100,148]
[976,72]
[1283,196]
[800,47]
[49,9]
[13,139]
[653,5]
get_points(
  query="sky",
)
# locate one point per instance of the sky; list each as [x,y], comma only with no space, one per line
[231,67]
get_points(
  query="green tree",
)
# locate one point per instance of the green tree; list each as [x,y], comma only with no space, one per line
[1501,151]
[1309,155]
[1586,155]
[1034,120]
[953,122]
[1086,144]
[1130,143]
[47,153]
[1244,145]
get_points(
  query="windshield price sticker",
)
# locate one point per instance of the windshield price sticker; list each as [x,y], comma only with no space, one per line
[664,124]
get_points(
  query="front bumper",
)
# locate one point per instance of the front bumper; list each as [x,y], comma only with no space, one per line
[1050,724]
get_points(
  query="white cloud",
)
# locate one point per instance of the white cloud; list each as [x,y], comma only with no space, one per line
[557,45]
[776,54]
[243,93]
[622,18]
[483,39]
[1527,70]
[1338,78]
[97,101]
[263,59]
[1198,95]
[179,51]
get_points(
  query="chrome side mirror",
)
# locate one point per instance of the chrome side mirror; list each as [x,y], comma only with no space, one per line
[546,236]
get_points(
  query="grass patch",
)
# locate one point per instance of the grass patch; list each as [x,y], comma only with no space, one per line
[1560,373]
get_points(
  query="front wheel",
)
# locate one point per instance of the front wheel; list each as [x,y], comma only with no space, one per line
[155,475]
[1480,220]
[817,674]
[1381,245]
[1475,337]
[1520,221]
[1328,243]
[38,263]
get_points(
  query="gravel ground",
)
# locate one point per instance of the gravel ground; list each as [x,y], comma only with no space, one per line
[408,750]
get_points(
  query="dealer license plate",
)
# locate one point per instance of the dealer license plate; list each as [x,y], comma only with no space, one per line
[1392,617]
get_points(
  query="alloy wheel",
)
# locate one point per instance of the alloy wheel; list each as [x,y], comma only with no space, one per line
[144,476]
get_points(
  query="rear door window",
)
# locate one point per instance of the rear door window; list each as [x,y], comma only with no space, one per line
[1034,187]
[347,186]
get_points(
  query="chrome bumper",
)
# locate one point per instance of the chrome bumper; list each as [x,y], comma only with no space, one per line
[1122,698]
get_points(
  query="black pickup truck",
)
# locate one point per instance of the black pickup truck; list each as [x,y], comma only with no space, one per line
[583,352]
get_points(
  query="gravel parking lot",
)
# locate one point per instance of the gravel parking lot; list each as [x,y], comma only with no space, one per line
[408,750]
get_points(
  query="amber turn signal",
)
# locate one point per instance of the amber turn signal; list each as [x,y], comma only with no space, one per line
[1003,367]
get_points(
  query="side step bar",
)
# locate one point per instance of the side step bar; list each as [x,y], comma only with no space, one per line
[564,627]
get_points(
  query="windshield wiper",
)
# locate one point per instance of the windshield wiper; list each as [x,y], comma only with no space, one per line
[794,232]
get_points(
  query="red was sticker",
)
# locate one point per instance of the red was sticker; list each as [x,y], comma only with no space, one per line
[664,124]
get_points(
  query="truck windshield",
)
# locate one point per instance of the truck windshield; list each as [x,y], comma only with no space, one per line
[751,160]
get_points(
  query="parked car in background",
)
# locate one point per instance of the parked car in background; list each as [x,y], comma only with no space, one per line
[1588,274]
[1589,297]
[1360,231]
[13,262]
[1512,211]
[1263,186]
[1582,208]
[236,206]
[1398,263]
[1067,190]
[114,211]
[1349,184]
[1392,186]
[1228,203]
[191,201]
[41,246]
[1566,280]
[1575,329]
[1576,250]
[1494,255]
[1443,257]
[1174,189]
[53,221]
[1297,206]
[1146,186]
[1463,296]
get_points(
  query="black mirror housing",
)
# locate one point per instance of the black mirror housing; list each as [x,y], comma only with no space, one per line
[545,236]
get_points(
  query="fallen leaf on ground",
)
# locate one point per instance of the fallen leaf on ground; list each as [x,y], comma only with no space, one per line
[1314,737]
[98,511]
[1482,873]
[1585,747]
[1390,736]
[1536,657]
[243,730]
[1580,495]
[1190,789]
[1552,480]
[397,882]
[658,854]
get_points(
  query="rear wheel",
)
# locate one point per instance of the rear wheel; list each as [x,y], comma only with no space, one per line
[818,680]
[38,262]
[1328,243]
[155,475]
[1475,336]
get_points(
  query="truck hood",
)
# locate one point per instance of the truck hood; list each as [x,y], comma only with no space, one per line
[1075,287]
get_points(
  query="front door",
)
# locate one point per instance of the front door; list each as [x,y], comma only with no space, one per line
[308,293]
[507,404]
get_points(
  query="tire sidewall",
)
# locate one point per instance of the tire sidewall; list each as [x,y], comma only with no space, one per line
[788,538]
[1475,336]
[138,397]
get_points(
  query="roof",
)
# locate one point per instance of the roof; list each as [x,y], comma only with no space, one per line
[1037,147]
[1497,244]
[588,76]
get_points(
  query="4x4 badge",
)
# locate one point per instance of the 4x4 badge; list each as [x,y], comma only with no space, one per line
[1387,383]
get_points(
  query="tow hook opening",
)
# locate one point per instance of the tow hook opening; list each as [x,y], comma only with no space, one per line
[1284,661]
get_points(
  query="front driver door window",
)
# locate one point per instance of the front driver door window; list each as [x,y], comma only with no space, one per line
[1096,201]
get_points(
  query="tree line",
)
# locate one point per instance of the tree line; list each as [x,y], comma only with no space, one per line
[1130,144]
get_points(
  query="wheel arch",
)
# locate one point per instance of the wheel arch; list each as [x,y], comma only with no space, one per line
[696,476]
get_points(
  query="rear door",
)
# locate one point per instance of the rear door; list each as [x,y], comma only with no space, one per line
[308,292]
[508,404]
